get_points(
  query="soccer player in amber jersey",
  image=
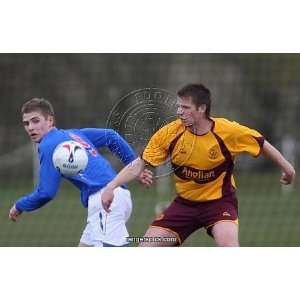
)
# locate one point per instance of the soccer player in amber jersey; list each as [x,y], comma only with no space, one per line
[202,151]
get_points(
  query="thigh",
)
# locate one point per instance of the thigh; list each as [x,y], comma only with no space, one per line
[225,234]
[84,245]
[122,204]
[87,238]
[179,218]
[113,224]
[107,228]
[159,237]
[223,210]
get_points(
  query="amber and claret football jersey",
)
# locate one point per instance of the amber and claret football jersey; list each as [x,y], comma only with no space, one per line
[202,164]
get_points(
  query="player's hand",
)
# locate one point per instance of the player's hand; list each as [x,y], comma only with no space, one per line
[288,176]
[146,177]
[14,213]
[107,197]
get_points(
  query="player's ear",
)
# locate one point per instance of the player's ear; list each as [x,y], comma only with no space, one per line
[51,119]
[202,108]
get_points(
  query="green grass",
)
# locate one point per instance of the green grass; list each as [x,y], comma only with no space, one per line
[268,216]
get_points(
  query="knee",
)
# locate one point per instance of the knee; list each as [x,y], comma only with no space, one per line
[227,242]
[158,237]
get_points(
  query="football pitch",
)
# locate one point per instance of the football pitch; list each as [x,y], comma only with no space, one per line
[269,216]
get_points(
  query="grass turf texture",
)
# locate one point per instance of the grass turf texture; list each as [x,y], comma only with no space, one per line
[268,216]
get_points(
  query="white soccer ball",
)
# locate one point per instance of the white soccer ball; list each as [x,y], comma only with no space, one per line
[70,158]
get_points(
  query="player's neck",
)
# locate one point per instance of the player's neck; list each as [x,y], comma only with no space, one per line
[46,133]
[201,126]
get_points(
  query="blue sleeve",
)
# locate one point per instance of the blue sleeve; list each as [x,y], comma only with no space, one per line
[111,139]
[49,182]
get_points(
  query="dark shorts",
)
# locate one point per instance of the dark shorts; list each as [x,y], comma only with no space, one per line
[183,217]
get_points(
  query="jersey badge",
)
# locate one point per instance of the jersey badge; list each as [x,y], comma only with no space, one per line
[213,153]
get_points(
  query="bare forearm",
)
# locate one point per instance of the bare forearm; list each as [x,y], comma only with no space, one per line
[288,171]
[127,174]
[273,154]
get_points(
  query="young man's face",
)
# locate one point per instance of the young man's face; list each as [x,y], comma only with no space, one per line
[37,125]
[187,111]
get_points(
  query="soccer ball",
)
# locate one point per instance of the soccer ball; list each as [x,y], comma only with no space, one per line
[70,158]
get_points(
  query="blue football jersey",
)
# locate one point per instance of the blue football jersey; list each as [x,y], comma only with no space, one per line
[96,175]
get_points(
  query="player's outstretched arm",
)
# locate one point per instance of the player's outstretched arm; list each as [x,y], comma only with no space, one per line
[127,174]
[288,171]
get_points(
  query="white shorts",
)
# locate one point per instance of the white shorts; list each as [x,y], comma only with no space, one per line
[107,228]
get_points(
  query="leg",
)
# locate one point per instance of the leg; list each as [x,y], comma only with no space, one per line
[176,223]
[159,237]
[113,224]
[107,229]
[111,227]
[84,245]
[86,239]
[225,234]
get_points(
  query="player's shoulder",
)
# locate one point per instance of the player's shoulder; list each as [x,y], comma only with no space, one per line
[226,128]
[222,121]
[172,128]
[52,139]
[166,134]
[222,124]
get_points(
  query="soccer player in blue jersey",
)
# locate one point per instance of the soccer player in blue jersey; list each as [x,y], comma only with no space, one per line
[102,229]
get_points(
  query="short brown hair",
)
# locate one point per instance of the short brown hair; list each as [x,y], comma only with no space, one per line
[38,104]
[199,94]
